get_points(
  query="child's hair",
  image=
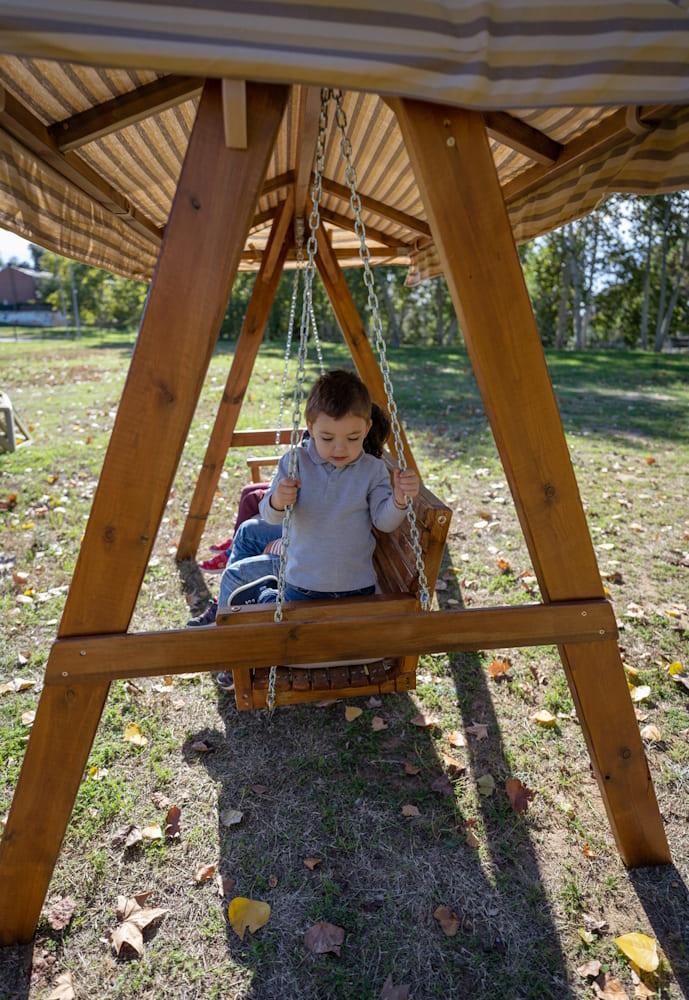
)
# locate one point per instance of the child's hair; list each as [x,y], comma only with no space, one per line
[374,441]
[336,394]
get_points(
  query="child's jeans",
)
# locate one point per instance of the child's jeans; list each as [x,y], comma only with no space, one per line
[247,559]
[269,596]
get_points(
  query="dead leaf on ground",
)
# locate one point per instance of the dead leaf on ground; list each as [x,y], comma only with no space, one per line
[442,785]
[259,789]
[587,852]
[133,734]
[204,873]
[498,669]
[642,992]
[456,738]
[63,989]
[172,819]
[503,565]
[486,784]
[409,810]
[126,836]
[518,794]
[606,987]
[152,832]
[60,913]
[324,937]
[544,718]
[411,769]
[378,724]
[448,920]
[225,884]
[640,949]
[392,992]
[272,881]
[589,969]
[373,702]
[230,817]
[423,721]
[136,918]
[312,863]
[594,925]
[651,733]
[352,712]
[452,763]
[479,730]
[200,746]
[247,915]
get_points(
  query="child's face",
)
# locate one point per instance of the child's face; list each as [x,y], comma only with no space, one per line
[339,441]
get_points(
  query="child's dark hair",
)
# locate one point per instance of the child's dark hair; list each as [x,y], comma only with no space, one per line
[336,394]
[374,442]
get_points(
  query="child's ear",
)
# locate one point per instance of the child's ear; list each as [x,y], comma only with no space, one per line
[369,425]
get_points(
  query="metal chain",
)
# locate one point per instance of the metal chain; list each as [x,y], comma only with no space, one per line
[298,394]
[377,328]
[288,344]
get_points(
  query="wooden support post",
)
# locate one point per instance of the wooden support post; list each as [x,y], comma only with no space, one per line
[213,207]
[451,158]
[353,331]
[248,343]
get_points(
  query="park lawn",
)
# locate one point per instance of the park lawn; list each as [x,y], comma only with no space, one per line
[525,888]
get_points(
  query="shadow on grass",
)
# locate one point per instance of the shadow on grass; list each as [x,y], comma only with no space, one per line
[15,971]
[664,896]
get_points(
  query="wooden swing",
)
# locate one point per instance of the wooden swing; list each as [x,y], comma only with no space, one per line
[406,561]
[461,225]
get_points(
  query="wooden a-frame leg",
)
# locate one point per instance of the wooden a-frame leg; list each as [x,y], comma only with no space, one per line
[248,343]
[353,330]
[454,168]
[213,207]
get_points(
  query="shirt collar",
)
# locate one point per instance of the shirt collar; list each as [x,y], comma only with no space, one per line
[312,452]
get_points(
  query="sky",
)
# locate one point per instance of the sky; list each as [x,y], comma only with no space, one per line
[13,246]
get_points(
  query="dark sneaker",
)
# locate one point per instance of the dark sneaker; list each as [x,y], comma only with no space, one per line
[250,592]
[225,681]
[206,618]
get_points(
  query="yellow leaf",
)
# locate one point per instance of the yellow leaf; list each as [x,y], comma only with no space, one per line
[247,914]
[544,718]
[486,784]
[641,692]
[630,671]
[651,733]
[675,668]
[640,949]
[352,713]
[152,832]
[586,936]
[133,734]
[27,525]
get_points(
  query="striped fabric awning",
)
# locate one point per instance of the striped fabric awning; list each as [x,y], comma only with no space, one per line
[580,101]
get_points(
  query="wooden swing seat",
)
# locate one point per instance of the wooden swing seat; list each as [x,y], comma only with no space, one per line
[395,568]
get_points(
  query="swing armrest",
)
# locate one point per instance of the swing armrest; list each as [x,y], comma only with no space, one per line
[255,465]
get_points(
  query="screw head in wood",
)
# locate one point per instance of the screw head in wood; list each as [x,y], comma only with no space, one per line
[450,141]
[584,613]
[65,674]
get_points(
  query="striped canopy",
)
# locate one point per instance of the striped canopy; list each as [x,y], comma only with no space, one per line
[99,97]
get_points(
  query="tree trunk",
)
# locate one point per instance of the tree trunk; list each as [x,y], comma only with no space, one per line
[643,332]
[664,328]
[588,294]
[565,287]
[576,284]
[663,271]
[439,303]
[394,330]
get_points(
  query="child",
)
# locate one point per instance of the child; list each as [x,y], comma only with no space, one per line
[339,493]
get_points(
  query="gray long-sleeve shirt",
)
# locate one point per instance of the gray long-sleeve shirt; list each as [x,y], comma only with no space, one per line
[331,543]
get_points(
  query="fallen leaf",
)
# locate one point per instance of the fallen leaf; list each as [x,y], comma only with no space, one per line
[452,763]
[498,669]
[133,734]
[152,832]
[126,836]
[259,789]
[606,987]
[204,873]
[675,668]
[324,937]
[272,881]
[442,785]
[650,460]
[410,810]
[486,784]
[352,712]
[28,719]
[373,702]
[594,925]
[200,746]
[503,565]
[129,937]
[20,579]
[587,852]
[544,718]
[586,936]
[391,992]
[518,794]
[479,730]
[448,920]
[591,969]
[312,863]
[641,949]
[230,817]
[640,693]
[60,913]
[456,738]
[682,679]
[651,733]
[225,884]
[423,721]
[247,914]
[172,819]
[378,724]
[63,989]
[411,769]
[642,992]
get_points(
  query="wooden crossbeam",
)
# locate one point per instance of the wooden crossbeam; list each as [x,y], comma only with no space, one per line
[97,658]
[519,135]
[308,114]
[216,198]
[285,180]
[345,222]
[596,140]
[20,123]
[378,208]
[248,343]
[253,438]
[126,109]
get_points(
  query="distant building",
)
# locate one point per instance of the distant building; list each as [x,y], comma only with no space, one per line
[20,301]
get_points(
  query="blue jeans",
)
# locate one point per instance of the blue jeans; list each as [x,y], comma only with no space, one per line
[269,595]
[247,560]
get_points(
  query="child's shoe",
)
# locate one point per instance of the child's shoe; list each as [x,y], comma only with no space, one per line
[225,680]
[249,593]
[206,618]
[215,565]
[223,547]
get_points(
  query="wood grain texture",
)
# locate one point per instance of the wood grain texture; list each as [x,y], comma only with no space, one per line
[456,175]
[215,201]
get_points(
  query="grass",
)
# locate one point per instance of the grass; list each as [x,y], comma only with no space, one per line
[335,790]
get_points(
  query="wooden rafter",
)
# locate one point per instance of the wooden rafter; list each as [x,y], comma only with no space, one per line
[20,123]
[307,134]
[284,180]
[344,222]
[124,110]
[378,208]
[526,139]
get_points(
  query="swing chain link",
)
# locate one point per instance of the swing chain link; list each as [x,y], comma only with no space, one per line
[290,332]
[373,307]
[307,318]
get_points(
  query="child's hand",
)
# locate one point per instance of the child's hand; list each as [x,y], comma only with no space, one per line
[285,494]
[405,484]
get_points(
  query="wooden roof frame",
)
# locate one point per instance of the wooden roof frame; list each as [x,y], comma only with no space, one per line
[216,203]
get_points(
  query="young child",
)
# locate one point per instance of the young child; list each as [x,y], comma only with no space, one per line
[340,491]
